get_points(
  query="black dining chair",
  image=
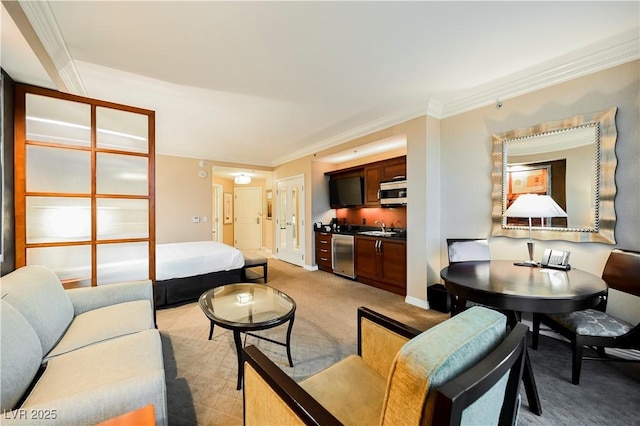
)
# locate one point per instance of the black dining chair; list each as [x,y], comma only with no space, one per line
[595,327]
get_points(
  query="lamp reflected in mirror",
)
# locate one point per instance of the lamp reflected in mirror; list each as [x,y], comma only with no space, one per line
[534,206]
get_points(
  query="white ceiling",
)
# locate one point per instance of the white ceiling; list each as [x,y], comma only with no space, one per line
[262,83]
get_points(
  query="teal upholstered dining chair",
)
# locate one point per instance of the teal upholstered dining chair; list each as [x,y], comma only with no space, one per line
[465,370]
[595,327]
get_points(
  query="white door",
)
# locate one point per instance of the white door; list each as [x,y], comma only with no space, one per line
[216,215]
[290,220]
[248,218]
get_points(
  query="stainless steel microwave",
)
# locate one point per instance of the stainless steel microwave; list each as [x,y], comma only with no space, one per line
[393,192]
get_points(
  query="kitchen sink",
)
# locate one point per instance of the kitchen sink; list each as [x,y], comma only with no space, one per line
[378,233]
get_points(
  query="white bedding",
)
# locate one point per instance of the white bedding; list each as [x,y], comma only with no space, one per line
[173,260]
[177,260]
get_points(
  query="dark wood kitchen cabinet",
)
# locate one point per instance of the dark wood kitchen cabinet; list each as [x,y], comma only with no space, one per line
[394,168]
[382,263]
[372,185]
[381,171]
[323,251]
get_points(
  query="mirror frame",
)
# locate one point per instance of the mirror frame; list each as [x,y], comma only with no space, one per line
[604,179]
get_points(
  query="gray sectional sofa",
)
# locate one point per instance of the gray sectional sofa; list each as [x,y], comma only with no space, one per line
[80,356]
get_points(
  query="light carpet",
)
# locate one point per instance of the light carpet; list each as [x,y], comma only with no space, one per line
[201,374]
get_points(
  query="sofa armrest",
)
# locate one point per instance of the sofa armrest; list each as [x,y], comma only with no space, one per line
[271,397]
[89,298]
[380,339]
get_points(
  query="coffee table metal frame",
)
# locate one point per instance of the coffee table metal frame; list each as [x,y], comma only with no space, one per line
[248,327]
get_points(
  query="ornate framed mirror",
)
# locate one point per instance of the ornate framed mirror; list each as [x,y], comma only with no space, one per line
[573,161]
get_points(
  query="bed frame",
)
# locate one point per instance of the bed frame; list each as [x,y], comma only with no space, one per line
[189,289]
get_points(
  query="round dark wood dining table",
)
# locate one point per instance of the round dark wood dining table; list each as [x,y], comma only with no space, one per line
[515,289]
[503,285]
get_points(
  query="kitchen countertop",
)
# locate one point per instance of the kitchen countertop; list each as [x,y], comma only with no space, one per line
[400,233]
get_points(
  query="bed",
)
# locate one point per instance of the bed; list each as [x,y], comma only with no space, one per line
[186,270]
[183,270]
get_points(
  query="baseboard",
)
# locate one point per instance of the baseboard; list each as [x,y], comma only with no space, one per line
[417,302]
[310,267]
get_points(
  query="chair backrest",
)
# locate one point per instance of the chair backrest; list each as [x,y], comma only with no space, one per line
[467,249]
[465,399]
[439,355]
[622,271]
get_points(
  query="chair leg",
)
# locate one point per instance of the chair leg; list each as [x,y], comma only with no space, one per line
[453,300]
[535,332]
[578,347]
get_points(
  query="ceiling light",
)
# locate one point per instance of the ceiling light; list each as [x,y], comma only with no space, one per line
[242,179]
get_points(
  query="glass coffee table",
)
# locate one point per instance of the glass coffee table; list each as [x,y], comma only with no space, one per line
[247,307]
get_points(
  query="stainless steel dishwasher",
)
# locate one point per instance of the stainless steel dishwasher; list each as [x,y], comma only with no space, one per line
[342,255]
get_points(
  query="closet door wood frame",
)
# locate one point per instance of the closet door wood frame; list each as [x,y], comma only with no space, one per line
[20,174]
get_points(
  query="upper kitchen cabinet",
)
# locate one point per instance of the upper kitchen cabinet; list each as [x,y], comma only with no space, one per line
[84,187]
[381,171]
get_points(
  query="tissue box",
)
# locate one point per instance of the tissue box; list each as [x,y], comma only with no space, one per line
[244,298]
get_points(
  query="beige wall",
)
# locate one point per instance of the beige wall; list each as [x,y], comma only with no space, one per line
[227,228]
[180,195]
[466,167]
[317,199]
[449,169]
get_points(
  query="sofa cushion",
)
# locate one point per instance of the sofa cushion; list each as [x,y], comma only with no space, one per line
[103,324]
[102,381]
[35,291]
[333,388]
[436,356]
[20,358]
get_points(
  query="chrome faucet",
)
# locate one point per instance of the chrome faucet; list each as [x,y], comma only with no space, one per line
[383,227]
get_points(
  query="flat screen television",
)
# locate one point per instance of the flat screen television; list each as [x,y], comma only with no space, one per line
[346,192]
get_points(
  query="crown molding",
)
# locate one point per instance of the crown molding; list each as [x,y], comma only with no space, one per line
[518,84]
[425,108]
[548,76]
[43,22]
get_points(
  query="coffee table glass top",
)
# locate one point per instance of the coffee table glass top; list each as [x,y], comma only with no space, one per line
[247,305]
